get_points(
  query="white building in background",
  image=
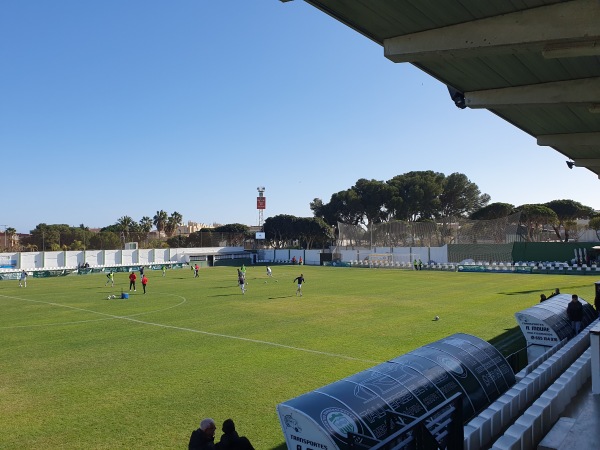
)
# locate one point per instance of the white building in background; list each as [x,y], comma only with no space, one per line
[192,227]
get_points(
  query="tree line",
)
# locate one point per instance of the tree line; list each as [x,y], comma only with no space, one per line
[58,237]
[413,197]
[427,196]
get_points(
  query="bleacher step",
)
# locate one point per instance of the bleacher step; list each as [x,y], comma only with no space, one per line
[557,434]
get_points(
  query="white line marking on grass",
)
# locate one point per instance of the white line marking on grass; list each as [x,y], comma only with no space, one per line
[191,330]
[110,317]
[256,341]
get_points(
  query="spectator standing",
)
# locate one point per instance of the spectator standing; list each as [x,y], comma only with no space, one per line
[575,313]
[204,437]
[231,440]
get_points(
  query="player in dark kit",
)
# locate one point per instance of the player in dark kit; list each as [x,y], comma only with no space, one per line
[300,280]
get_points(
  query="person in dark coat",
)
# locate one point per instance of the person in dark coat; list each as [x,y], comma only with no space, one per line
[231,440]
[204,437]
[575,313]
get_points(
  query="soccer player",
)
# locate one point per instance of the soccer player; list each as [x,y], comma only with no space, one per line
[242,281]
[269,272]
[110,278]
[23,279]
[300,280]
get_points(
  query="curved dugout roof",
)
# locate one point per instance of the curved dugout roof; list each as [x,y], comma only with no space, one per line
[408,387]
[547,323]
[534,63]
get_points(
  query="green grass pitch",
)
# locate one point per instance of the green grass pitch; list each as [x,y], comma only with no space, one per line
[79,371]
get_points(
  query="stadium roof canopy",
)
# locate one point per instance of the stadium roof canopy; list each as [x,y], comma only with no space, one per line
[534,63]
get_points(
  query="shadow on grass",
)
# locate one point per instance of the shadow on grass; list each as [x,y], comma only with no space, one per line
[237,294]
[282,296]
[512,340]
[279,447]
[512,345]
[541,291]
[533,291]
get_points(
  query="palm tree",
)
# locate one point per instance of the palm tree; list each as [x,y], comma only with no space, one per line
[160,220]
[146,224]
[125,224]
[172,223]
[10,231]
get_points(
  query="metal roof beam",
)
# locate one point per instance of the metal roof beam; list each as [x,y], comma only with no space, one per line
[570,140]
[589,47]
[587,162]
[574,23]
[586,91]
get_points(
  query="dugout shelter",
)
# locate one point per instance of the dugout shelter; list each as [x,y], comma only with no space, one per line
[374,403]
[546,324]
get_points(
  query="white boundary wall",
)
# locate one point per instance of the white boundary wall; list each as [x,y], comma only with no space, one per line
[398,254]
[99,258]
[309,257]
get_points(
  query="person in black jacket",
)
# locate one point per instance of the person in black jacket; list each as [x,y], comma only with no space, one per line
[231,440]
[204,437]
[575,313]
[300,280]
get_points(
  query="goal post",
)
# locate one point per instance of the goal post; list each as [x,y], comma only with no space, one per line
[380,259]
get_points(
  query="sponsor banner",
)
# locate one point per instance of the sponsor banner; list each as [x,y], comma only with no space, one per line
[502,373]
[10,276]
[470,268]
[51,273]
[7,263]
[317,421]
[398,396]
[364,402]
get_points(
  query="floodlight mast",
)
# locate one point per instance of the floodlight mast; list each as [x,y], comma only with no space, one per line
[261,203]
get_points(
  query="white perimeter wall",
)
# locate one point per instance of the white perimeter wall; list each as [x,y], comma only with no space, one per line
[95,258]
[399,254]
[310,257]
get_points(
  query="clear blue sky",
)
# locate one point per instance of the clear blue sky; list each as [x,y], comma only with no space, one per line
[112,108]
